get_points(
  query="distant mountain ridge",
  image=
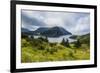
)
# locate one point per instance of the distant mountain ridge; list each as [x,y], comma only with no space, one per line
[49,32]
[41,30]
[55,32]
[24,30]
[84,39]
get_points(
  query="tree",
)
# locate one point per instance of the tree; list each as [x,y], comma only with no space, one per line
[46,39]
[24,36]
[32,37]
[63,42]
[67,43]
[77,43]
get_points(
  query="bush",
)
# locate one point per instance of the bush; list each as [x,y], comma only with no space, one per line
[24,43]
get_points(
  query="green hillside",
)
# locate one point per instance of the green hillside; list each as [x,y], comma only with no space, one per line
[41,50]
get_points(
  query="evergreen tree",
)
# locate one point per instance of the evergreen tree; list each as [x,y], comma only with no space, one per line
[67,43]
[32,37]
[41,38]
[63,42]
[24,36]
[78,43]
[46,39]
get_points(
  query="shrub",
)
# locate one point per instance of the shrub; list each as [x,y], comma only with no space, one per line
[24,43]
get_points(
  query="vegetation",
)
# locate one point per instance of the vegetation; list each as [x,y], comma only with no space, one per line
[41,50]
[77,43]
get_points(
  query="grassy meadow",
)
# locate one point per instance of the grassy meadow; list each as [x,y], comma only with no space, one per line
[41,50]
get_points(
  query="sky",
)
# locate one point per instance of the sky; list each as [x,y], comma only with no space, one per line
[77,23]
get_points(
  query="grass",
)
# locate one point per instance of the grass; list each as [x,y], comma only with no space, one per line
[36,50]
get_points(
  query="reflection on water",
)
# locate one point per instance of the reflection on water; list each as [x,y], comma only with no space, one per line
[58,39]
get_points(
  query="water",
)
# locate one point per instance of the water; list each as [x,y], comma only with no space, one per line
[58,39]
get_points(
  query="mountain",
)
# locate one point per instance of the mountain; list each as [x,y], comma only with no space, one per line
[80,36]
[24,30]
[84,39]
[46,31]
[41,30]
[52,32]
[73,37]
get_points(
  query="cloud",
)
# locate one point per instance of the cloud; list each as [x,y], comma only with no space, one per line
[76,23]
[29,21]
[33,14]
[54,22]
[82,26]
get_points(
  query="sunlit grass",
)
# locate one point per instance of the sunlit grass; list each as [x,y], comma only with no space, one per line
[51,52]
